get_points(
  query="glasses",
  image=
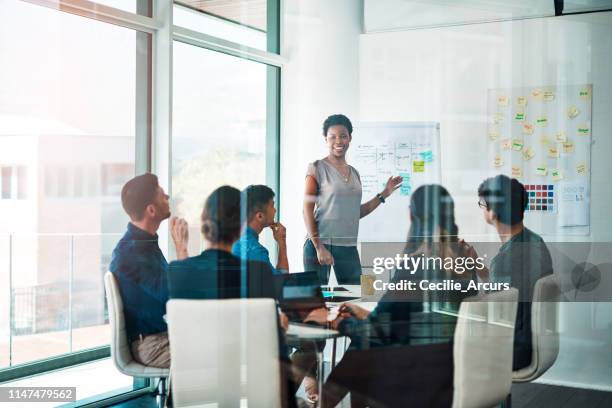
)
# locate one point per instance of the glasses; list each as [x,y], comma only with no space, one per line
[483,204]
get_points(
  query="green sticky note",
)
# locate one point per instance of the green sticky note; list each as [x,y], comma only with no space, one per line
[418,166]
[519,116]
[542,121]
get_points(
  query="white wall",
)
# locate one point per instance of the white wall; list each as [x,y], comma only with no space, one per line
[321,41]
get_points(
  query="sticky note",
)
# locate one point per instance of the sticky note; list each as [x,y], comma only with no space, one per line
[572,112]
[498,161]
[568,147]
[549,96]
[521,101]
[517,144]
[528,128]
[506,144]
[560,137]
[553,152]
[502,100]
[498,118]
[585,93]
[544,140]
[519,116]
[541,170]
[418,166]
[543,121]
[517,172]
[584,129]
[537,94]
[427,155]
[528,153]
[556,175]
[581,169]
[493,134]
[405,187]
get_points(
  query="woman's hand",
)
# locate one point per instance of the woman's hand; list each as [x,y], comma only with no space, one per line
[284,321]
[351,309]
[392,184]
[179,230]
[324,256]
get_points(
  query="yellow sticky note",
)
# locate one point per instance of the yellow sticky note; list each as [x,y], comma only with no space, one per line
[544,140]
[506,144]
[493,134]
[520,116]
[584,129]
[541,170]
[568,147]
[498,161]
[549,96]
[528,153]
[418,166]
[537,94]
[521,101]
[581,169]
[560,137]
[502,100]
[498,118]
[585,93]
[528,128]
[517,144]
[517,172]
[556,175]
[553,152]
[543,121]
[572,112]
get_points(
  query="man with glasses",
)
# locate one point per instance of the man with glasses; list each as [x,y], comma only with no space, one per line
[523,257]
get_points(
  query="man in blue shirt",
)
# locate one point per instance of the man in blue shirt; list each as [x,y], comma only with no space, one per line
[141,269]
[260,212]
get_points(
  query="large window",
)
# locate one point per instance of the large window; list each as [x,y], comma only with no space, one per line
[219,127]
[68,118]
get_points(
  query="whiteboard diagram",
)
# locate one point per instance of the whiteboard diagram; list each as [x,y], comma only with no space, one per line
[382,150]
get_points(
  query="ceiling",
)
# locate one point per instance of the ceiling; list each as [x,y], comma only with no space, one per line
[251,13]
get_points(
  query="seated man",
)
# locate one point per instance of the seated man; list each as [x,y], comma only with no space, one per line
[523,257]
[141,268]
[260,211]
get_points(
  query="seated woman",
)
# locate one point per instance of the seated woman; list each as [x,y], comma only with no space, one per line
[217,274]
[401,352]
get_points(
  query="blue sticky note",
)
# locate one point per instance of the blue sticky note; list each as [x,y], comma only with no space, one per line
[405,188]
[427,156]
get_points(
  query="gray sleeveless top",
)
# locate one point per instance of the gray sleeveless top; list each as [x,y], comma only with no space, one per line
[337,204]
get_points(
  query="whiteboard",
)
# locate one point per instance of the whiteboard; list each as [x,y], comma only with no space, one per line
[542,136]
[380,150]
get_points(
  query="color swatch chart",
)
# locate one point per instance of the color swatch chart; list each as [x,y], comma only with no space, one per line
[541,197]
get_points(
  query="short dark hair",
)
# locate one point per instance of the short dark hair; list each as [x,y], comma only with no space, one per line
[221,215]
[337,119]
[255,198]
[506,197]
[138,193]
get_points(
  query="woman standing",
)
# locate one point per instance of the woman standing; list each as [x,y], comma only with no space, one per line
[332,207]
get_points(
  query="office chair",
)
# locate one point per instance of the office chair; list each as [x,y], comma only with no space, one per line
[120,347]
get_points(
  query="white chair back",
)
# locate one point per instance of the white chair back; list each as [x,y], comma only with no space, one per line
[224,350]
[120,347]
[482,351]
[544,329]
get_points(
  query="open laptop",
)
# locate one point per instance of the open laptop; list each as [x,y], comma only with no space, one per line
[299,294]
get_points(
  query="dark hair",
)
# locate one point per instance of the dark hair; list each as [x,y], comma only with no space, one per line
[504,196]
[138,193]
[221,215]
[338,119]
[256,197]
[431,207]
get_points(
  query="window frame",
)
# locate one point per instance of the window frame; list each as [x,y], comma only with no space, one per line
[153,136]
